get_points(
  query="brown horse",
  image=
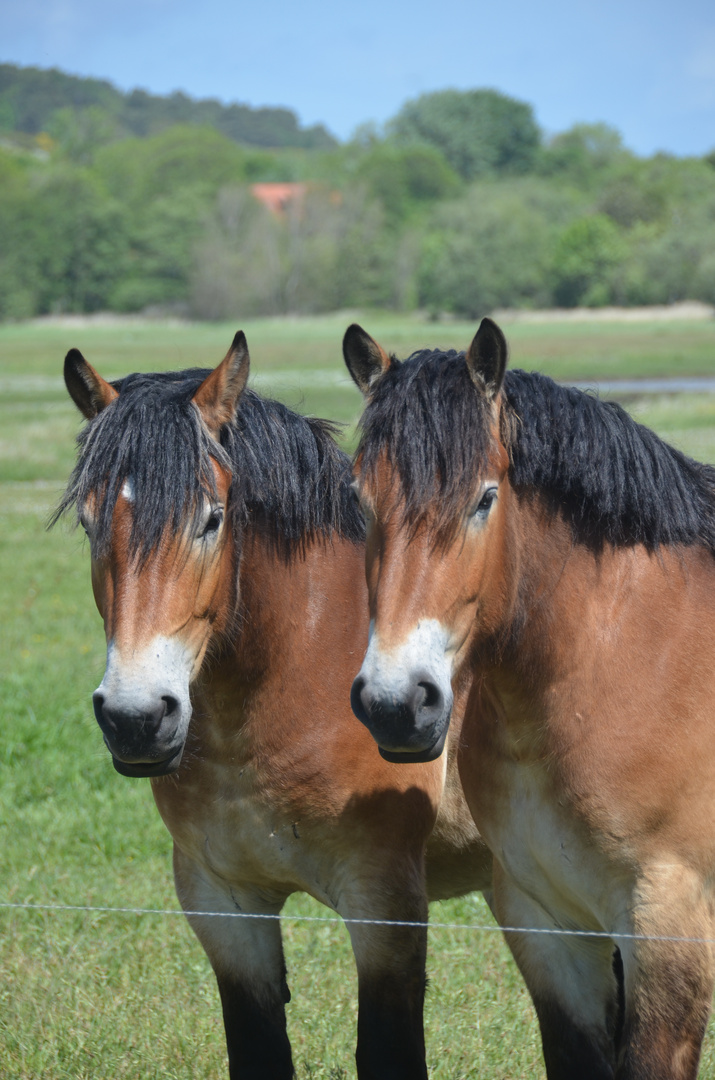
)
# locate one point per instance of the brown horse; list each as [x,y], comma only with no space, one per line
[561,555]
[228,565]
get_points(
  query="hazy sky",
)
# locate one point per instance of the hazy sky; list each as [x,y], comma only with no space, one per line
[645,66]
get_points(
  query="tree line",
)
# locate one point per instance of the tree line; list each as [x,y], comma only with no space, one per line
[81,113]
[460,204]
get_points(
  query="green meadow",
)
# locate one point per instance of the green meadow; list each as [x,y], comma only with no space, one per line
[91,994]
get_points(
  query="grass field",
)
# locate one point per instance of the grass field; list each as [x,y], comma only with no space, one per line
[86,994]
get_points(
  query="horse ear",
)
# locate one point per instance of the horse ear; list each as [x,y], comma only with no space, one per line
[217,397]
[89,391]
[366,360]
[487,357]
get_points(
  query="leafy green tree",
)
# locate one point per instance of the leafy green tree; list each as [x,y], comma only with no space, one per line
[160,253]
[480,132]
[586,253]
[79,133]
[583,154]
[79,242]
[704,278]
[403,177]
[665,265]
[63,241]
[365,252]
[488,250]
[19,273]
[666,210]
[628,200]
[140,170]
[7,116]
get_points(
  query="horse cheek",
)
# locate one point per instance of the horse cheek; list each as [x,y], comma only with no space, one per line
[102,589]
[216,591]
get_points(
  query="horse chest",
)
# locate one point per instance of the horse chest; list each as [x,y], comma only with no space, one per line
[222,821]
[546,849]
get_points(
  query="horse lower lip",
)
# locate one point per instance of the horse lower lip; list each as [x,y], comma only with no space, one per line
[148,768]
[403,757]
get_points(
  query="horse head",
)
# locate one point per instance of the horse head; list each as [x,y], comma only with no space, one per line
[430,473]
[152,489]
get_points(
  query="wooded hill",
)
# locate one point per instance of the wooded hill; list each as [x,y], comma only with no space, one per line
[33,100]
[128,202]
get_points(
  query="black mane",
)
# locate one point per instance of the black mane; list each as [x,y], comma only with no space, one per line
[613,480]
[288,475]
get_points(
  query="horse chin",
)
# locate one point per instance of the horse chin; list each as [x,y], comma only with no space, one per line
[402,757]
[149,768]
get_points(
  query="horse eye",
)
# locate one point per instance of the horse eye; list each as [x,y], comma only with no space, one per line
[213,522]
[486,502]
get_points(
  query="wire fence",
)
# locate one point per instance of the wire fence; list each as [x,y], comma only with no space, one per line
[615,935]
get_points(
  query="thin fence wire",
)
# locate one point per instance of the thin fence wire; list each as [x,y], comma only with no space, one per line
[615,935]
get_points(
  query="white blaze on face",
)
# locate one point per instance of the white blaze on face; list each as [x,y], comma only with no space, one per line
[128,489]
[135,680]
[425,651]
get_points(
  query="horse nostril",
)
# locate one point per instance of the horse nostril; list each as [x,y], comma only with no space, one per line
[98,703]
[433,697]
[356,702]
[151,719]
[171,703]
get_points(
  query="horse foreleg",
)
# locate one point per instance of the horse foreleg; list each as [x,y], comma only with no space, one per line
[668,984]
[574,983]
[247,957]
[255,1026]
[391,979]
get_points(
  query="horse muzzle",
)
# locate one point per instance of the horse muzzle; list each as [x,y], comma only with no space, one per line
[403,696]
[144,741]
[411,726]
[143,708]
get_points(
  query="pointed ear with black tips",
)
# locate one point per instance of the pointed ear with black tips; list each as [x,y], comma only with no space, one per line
[218,396]
[487,358]
[366,360]
[89,391]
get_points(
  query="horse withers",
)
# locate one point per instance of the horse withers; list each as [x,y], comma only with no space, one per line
[539,540]
[228,566]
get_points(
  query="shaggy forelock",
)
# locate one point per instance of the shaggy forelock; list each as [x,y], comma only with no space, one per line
[151,434]
[430,424]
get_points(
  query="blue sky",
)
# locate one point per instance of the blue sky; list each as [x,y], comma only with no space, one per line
[644,66]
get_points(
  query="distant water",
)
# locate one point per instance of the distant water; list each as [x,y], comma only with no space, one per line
[271,381]
[617,388]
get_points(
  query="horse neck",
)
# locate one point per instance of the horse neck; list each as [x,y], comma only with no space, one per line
[294,608]
[546,572]
[566,591]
